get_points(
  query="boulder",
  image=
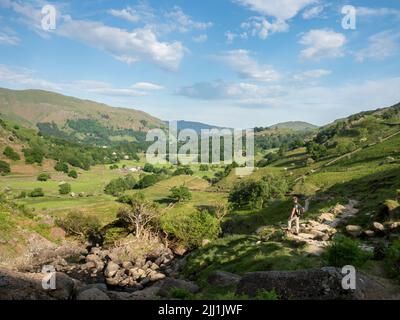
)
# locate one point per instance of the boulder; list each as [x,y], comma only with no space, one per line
[353,230]
[111,269]
[92,258]
[92,294]
[379,228]
[310,284]
[156,276]
[369,233]
[180,250]
[326,217]
[64,287]
[337,209]
[223,279]
[127,265]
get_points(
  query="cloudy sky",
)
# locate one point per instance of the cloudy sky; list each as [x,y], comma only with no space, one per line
[236,63]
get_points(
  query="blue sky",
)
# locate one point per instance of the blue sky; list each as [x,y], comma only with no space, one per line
[236,63]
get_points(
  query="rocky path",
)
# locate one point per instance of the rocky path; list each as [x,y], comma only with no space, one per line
[318,233]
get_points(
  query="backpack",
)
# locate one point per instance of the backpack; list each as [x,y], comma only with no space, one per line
[299,210]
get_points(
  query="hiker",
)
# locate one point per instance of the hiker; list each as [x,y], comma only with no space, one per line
[295,215]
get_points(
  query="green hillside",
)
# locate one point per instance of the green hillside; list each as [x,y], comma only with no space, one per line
[64,116]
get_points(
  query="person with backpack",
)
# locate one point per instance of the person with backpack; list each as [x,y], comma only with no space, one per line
[295,215]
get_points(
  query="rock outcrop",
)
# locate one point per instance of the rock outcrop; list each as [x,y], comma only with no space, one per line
[311,284]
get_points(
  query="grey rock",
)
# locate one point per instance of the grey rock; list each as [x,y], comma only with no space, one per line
[111,270]
[310,284]
[223,279]
[92,294]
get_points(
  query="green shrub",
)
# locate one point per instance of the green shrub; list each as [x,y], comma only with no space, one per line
[33,155]
[179,194]
[266,295]
[78,224]
[114,167]
[185,170]
[4,167]
[22,195]
[191,228]
[204,167]
[392,260]
[116,186]
[148,167]
[64,188]
[114,234]
[345,251]
[73,174]
[36,193]
[180,293]
[148,181]
[61,167]
[255,194]
[43,177]
[11,154]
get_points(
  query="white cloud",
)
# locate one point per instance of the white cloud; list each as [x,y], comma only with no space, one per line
[312,74]
[377,12]
[128,14]
[282,10]
[380,46]
[7,38]
[200,38]
[26,79]
[241,93]
[128,46]
[230,37]
[147,86]
[242,62]
[261,27]
[322,43]
[104,88]
[180,21]
[313,12]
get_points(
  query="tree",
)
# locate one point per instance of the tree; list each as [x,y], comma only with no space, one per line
[36,193]
[221,211]
[73,174]
[190,228]
[180,194]
[4,167]
[116,186]
[61,167]
[64,188]
[33,155]
[140,216]
[79,224]
[148,181]
[184,170]
[11,154]
[43,177]
[255,194]
[316,151]
[148,167]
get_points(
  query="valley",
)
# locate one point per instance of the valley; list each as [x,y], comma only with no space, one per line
[207,232]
